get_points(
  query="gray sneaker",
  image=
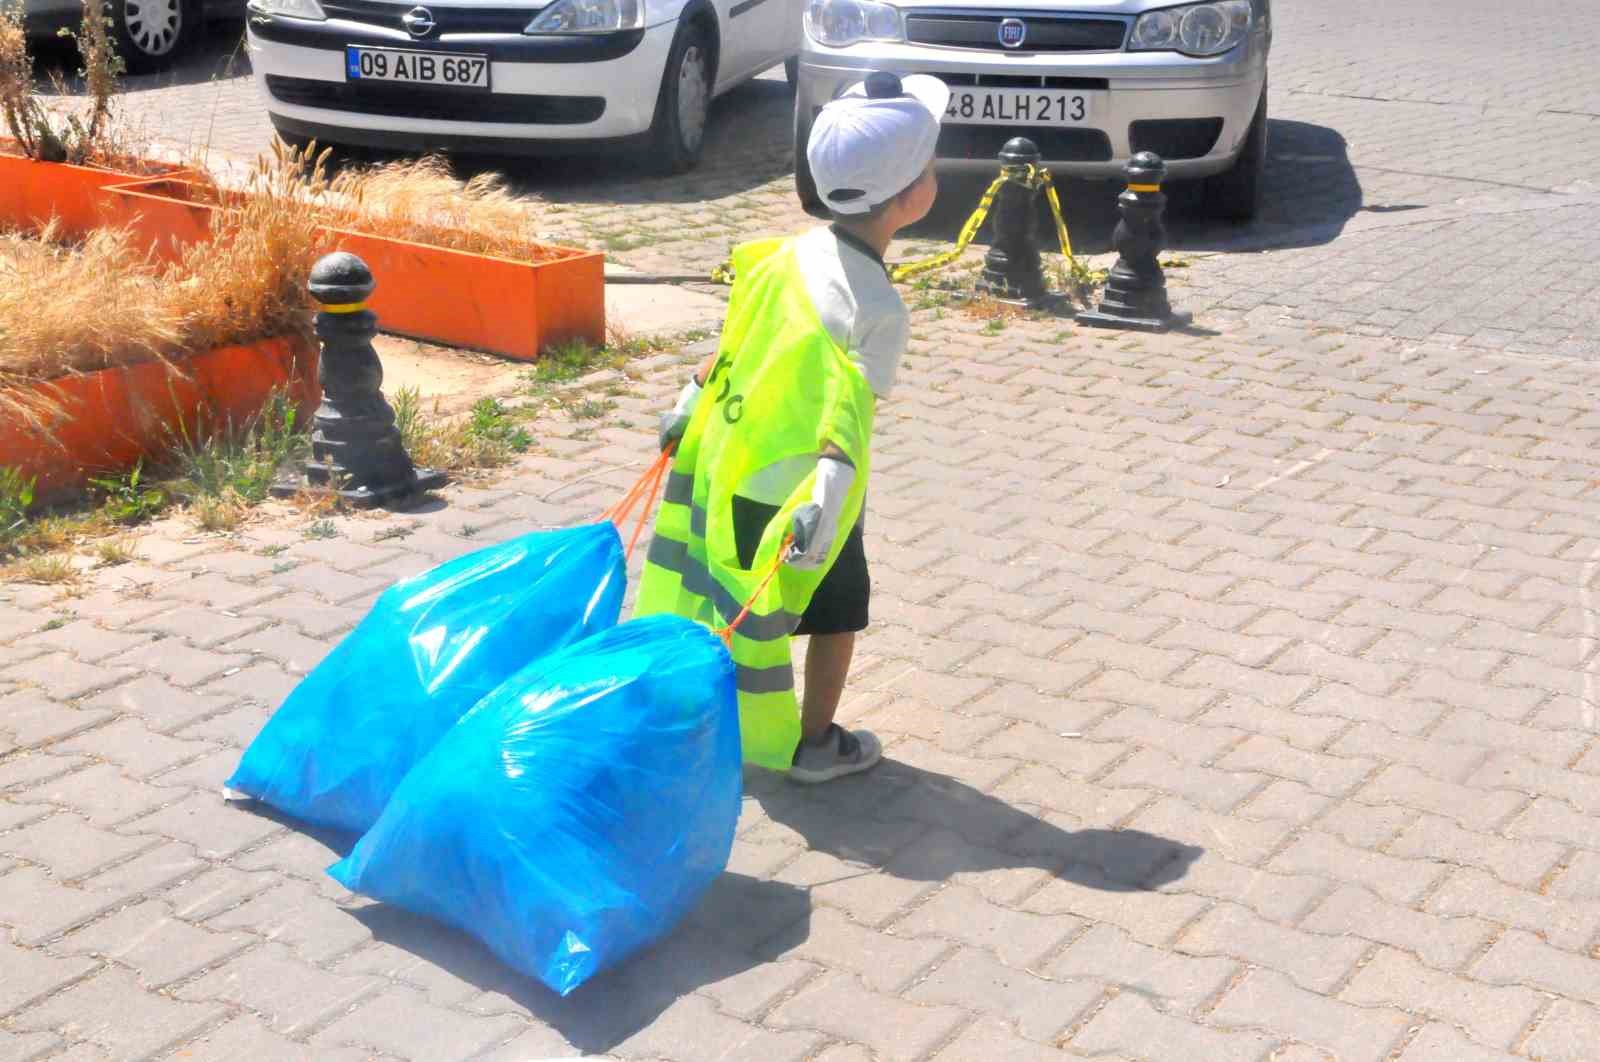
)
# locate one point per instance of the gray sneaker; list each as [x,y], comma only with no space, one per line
[840,752]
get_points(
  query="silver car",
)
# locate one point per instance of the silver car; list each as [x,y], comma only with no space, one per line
[1091,83]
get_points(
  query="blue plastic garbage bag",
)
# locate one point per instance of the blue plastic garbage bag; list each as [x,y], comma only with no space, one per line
[576,813]
[431,647]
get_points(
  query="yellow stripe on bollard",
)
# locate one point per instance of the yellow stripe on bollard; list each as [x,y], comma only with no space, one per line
[1144,188]
[343,307]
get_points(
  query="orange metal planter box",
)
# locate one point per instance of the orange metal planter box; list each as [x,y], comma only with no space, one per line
[110,419]
[462,299]
[31,193]
[166,214]
[471,300]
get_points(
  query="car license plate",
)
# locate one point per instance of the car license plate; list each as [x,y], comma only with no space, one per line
[1014,106]
[449,69]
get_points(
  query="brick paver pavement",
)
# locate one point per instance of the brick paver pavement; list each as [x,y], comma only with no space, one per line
[1238,703]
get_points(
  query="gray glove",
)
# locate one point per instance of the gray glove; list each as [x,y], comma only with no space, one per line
[816,523]
[675,421]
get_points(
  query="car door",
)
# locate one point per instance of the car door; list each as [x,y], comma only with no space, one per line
[766,32]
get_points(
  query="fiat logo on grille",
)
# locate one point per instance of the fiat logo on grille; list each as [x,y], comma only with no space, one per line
[1013,31]
[418,21]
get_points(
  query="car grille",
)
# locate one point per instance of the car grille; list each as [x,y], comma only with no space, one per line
[1023,81]
[404,101]
[1176,138]
[446,19]
[1045,33]
[1055,145]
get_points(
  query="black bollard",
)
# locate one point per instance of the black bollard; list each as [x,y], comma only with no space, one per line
[356,450]
[1011,269]
[1136,290]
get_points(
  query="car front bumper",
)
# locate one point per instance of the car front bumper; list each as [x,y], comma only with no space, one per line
[564,92]
[1195,113]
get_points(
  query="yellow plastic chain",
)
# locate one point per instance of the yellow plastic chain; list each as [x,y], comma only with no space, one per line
[1031,177]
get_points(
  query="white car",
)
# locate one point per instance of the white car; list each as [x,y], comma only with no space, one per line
[510,76]
[1091,82]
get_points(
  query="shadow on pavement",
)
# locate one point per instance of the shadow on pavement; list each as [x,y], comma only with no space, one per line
[864,819]
[719,940]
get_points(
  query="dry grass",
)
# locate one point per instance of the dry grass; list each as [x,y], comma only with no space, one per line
[44,568]
[110,552]
[418,200]
[74,309]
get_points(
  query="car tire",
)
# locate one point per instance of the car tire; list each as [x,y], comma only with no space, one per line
[1236,194]
[678,133]
[150,35]
[804,187]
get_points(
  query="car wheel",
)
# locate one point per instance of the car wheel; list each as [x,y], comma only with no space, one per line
[151,34]
[804,186]
[1236,194]
[679,130]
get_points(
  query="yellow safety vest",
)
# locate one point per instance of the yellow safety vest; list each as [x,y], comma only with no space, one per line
[780,388]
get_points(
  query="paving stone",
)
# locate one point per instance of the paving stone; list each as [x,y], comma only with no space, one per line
[25,1047]
[1151,918]
[1519,862]
[537,1042]
[290,995]
[84,640]
[1397,880]
[27,768]
[1520,958]
[296,914]
[63,678]
[202,628]
[1474,809]
[67,846]
[987,1038]
[282,644]
[1207,787]
[866,895]
[974,979]
[247,1037]
[155,868]
[402,1023]
[139,751]
[115,1014]
[176,663]
[1568,1031]
[1129,1023]
[884,961]
[101,793]
[688,1024]
[1349,1033]
[159,948]
[212,590]
[1494,1016]
[264,683]
[39,909]
[1107,955]
[1017,938]
[215,828]
[32,720]
[161,706]
[1437,1041]
[1333,775]
[840,1005]
[32,975]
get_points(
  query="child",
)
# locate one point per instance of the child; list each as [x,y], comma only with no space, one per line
[772,466]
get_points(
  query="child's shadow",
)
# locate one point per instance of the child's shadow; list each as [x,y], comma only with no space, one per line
[922,826]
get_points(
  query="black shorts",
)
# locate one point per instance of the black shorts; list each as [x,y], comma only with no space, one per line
[840,604]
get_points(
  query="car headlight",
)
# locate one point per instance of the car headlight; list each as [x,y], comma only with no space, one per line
[292,8]
[1196,29]
[841,23]
[589,16]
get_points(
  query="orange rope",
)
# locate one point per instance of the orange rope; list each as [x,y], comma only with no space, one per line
[618,513]
[659,476]
[726,633]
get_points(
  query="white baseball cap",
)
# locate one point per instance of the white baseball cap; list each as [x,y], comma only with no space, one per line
[874,141]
